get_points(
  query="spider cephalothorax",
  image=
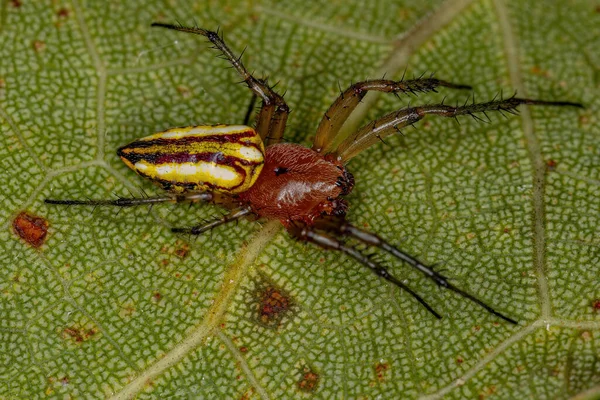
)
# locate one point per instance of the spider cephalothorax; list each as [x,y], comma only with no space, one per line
[299,186]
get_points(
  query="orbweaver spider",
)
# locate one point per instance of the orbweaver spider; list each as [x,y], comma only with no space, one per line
[299,186]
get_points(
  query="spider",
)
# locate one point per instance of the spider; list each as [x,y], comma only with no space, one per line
[301,187]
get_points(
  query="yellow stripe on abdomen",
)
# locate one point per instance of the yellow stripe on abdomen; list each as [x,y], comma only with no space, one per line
[226,158]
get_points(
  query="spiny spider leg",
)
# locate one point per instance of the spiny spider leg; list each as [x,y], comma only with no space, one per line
[342,107]
[232,216]
[374,240]
[391,123]
[130,202]
[330,243]
[273,114]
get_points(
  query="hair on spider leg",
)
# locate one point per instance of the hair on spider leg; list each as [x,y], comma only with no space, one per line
[381,139]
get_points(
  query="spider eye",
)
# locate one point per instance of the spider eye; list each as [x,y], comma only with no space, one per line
[280,170]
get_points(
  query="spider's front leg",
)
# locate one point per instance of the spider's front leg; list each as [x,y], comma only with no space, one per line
[329,242]
[138,201]
[348,100]
[392,123]
[274,112]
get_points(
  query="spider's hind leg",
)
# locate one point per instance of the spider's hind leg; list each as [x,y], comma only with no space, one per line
[348,100]
[372,239]
[329,242]
[391,123]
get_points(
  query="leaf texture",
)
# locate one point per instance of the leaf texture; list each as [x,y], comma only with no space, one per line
[114,305]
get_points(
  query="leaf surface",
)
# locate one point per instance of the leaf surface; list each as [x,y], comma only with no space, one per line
[112,304]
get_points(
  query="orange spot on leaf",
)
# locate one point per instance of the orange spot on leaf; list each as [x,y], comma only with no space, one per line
[551,164]
[38,46]
[183,250]
[381,371]
[273,306]
[79,334]
[31,228]
[63,12]
[309,381]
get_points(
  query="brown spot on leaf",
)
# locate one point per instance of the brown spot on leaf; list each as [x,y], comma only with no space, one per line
[381,370]
[127,310]
[596,304]
[272,306]
[79,334]
[182,250]
[520,368]
[184,91]
[38,46]
[156,296]
[584,119]
[16,3]
[31,228]
[459,360]
[248,394]
[243,349]
[586,336]
[487,391]
[551,164]
[541,72]
[63,12]
[308,381]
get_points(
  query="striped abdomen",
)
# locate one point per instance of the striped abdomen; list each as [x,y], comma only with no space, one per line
[225,158]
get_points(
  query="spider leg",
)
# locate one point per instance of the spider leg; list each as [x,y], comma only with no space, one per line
[331,243]
[250,109]
[374,240]
[273,114]
[130,202]
[342,107]
[393,122]
[232,216]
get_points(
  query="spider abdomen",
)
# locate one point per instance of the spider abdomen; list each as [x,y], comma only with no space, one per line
[298,184]
[223,158]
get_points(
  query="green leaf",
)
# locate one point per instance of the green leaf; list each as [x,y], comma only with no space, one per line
[112,304]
